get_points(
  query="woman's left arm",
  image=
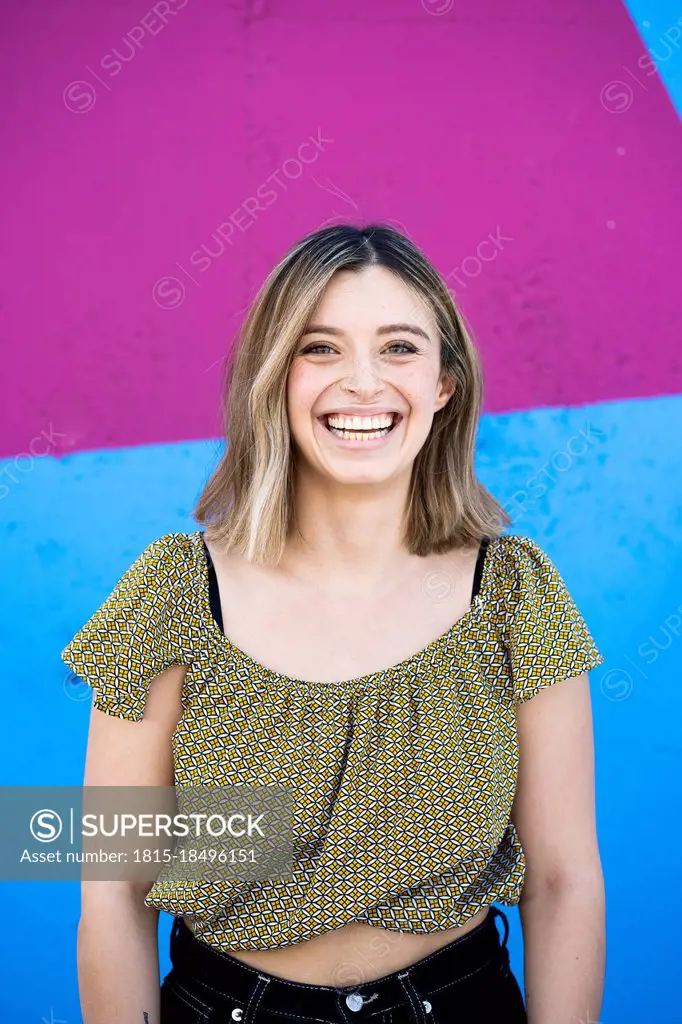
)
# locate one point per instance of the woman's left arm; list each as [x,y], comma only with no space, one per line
[562,905]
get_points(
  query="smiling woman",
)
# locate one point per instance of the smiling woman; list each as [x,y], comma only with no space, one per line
[353,623]
[351,323]
[399,362]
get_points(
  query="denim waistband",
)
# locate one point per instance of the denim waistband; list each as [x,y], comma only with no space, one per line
[223,976]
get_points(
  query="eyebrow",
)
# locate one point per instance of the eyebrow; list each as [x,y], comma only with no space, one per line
[385,329]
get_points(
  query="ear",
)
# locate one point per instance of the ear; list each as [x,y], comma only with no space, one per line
[446,389]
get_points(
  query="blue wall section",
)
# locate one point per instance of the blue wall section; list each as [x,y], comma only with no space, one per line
[660,26]
[599,487]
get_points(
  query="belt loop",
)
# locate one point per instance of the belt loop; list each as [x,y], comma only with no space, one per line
[420,1007]
[251,1011]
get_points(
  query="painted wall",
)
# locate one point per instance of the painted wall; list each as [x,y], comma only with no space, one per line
[159,160]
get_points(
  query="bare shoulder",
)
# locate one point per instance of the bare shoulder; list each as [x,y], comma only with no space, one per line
[238,577]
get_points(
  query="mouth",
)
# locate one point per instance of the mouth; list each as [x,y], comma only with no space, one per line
[360,428]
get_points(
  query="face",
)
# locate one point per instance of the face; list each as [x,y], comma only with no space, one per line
[366,379]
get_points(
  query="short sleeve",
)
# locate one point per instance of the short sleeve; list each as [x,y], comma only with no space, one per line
[130,638]
[548,639]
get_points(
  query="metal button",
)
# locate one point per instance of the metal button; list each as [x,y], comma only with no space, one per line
[427,1005]
[354,1001]
[236,1014]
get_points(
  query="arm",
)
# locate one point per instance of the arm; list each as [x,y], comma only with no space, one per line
[118,961]
[562,904]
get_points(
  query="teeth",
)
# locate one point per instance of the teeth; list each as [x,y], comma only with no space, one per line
[361,423]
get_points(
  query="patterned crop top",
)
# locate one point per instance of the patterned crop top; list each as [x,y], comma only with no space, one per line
[402,801]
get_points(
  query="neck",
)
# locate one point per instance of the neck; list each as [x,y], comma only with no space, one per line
[346,532]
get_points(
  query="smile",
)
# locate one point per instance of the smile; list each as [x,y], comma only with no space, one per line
[361,428]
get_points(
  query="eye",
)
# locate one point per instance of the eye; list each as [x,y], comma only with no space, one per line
[315,347]
[320,346]
[407,345]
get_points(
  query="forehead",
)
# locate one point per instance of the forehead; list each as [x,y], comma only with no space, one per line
[369,298]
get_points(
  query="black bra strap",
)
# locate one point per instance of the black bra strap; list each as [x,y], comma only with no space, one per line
[478,571]
[213,592]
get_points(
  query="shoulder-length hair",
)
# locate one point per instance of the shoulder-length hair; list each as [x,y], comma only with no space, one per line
[246,505]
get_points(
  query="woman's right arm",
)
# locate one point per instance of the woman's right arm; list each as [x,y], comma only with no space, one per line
[118,960]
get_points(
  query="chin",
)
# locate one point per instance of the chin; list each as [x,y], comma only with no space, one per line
[353,476]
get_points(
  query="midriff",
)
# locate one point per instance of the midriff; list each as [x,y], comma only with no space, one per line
[352,954]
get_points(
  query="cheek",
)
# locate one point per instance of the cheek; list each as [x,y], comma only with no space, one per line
[304,387]
[298,388]
[419,387]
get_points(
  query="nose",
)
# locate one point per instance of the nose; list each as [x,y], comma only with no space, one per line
[362,379]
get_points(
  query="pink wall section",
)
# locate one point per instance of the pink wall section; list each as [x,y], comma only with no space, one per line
[490,118]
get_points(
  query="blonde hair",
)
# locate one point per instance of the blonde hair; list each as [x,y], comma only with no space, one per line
[246,504]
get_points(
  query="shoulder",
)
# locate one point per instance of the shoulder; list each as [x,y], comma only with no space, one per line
[156,579]
[522,566]
[143,626]
[546,636]
[529,591]
[171,546]
[147,622]
[170,556]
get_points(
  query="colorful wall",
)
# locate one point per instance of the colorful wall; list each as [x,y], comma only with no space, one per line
[159,160]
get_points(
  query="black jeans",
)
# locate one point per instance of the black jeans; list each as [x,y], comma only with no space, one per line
[468,981]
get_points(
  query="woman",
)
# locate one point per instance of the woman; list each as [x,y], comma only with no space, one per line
[352,623]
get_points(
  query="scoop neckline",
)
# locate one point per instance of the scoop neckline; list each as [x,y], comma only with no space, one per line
[273,676]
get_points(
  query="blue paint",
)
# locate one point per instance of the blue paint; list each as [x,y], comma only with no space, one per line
[599,487]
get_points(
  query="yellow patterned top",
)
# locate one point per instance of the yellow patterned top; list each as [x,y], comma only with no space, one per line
[403,779]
